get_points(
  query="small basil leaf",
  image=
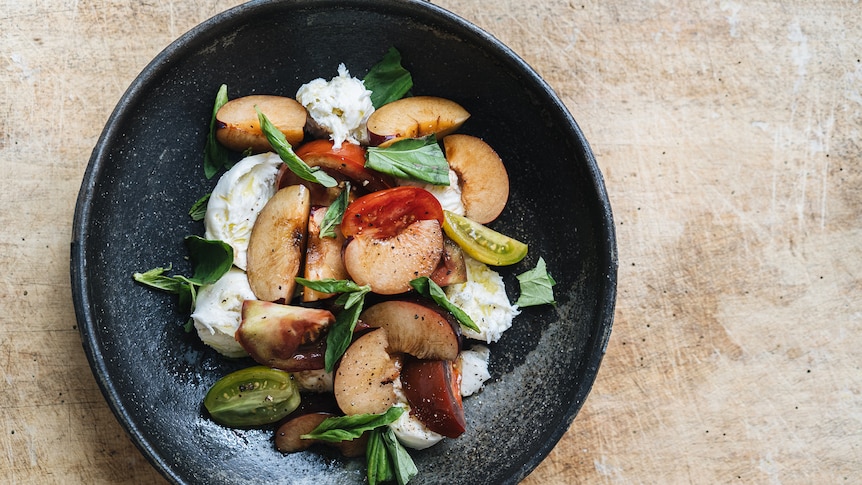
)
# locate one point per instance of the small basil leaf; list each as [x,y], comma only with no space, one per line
[388,80]
[215,155]
[379,468]
[294,163]
[402,464]
[199,209]
[211,259]
[335,213]
[331,285]
[537,286]
[427,288]
[341,334]
[413,159]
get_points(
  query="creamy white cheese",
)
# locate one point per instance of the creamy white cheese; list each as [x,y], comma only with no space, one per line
[483,298]
[448,195]
[473,365]
[411,433]
[237,199]
[218,312]
[340,106]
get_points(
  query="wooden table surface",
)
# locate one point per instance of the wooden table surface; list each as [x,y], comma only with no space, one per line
[729,134]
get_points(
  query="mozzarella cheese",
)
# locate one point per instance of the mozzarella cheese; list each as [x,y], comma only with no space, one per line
[473,366]
[448,195]
[411,433]
[237,199]
[340,106]
[218,312]
[483,297]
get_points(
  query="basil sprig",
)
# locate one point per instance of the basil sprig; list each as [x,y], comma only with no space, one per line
[386,459]
[335,212]
[341,428]
[413,159]
[210,259]
[294,163]
[215,155]
[537,286]
[429,289]
[388,80]
[352,300]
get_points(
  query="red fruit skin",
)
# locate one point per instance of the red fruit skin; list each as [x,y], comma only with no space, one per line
[433,389]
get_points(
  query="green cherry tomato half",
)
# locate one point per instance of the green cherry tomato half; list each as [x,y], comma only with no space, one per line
[252,397]
[482,243]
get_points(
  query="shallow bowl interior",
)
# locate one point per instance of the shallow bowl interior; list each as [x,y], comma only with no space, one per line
[146,171]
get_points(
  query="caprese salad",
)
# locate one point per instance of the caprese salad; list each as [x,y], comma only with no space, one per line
[346,252]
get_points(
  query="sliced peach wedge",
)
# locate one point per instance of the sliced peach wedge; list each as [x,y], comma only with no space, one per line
[238,127]
[277,244]
[482,176]
[416,329]
[364,379]
[415,117]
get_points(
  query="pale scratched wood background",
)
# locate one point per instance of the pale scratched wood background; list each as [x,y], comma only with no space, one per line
[729,136]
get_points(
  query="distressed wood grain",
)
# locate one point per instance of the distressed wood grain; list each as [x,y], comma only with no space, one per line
[729,136]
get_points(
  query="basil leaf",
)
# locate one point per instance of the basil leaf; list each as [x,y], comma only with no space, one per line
[413,158]
[427,288]
[388,80]
[331,285]
[199,209]
[402,464]
[537,286]
[177,285]
[335,213]
[294,163]
[155,278]
[215,155]
[341,428]
[341,333]
[378,465]
[211,259]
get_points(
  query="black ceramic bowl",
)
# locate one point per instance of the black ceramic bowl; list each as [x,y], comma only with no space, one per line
[146,171]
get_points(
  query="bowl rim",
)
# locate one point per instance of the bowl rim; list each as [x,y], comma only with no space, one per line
[607,256]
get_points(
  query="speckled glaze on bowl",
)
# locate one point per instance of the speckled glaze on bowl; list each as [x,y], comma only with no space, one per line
[146,171]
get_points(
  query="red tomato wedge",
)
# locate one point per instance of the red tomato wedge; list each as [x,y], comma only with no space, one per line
[348,160]
[386,213]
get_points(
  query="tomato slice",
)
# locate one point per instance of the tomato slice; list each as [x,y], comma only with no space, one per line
[482,243]
[386,213]
[252,397]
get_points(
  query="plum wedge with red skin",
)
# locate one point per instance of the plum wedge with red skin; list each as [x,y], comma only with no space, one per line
[271,332]
[452,268]
[238,126]
[415,328]
[415,117]
[433,388]
[482,176]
